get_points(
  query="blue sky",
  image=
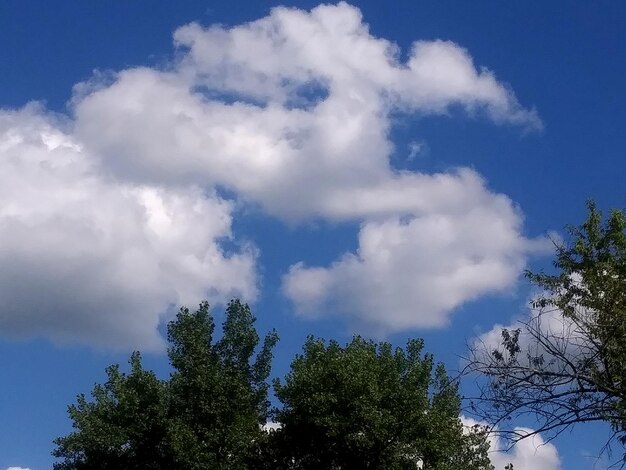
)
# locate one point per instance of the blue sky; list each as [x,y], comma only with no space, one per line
[365,168]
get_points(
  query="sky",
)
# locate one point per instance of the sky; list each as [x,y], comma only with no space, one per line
[379,168]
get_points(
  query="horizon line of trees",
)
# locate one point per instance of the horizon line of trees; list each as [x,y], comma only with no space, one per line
[367,405]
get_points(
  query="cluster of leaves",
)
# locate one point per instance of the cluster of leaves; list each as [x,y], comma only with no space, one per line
[207,415]
[367,406]
[567,364]
[362,406]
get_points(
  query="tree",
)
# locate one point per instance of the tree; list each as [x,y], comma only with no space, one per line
[368,406]
[124,427]
[207,415]
[218,397]
[567,364]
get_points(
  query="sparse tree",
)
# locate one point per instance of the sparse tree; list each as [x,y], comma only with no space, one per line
[567,364]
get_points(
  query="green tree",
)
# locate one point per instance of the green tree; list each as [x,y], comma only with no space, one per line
[207,415]
[368,406]
[567,364]
[124,427]
[218,396]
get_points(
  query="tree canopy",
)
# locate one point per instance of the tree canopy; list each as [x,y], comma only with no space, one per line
[209,414]
[361,406]
[125,426]
[369,406]
[567,364]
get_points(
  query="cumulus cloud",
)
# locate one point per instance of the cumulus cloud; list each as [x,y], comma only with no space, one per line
[17,468]
[114,213]
[530,453]
[87,258]
[410,273]
[235,112]
[291,111]
[273,58]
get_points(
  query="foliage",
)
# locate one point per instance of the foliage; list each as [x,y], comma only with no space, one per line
[567,365]
[218,398]
[124,427]
[367,406]
[362,406]
[207,415]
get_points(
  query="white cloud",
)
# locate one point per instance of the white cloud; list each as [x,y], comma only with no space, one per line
[234,112]
[113,214]
[291,111]
[272,58]
[86,258]
[411,273]
[271,426]
[18,468]
[530,453]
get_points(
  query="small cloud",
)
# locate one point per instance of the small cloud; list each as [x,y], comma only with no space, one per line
[272,426]
[417,148]
[414,272]
[528,454]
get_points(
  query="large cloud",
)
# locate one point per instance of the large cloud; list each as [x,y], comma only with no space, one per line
[87,258]
[412,272]
[292,111]
[120,214]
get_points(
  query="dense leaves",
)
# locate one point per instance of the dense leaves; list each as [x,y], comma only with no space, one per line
[368,406]
[359,407]
[218,398]
[125,426]
[208,415]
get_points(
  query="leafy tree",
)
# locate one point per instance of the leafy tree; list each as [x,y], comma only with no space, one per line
[207,415]
[567,365]
[124,427]
[368,406]
[218,397]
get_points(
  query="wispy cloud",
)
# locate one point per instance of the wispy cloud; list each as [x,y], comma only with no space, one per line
[417,148]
